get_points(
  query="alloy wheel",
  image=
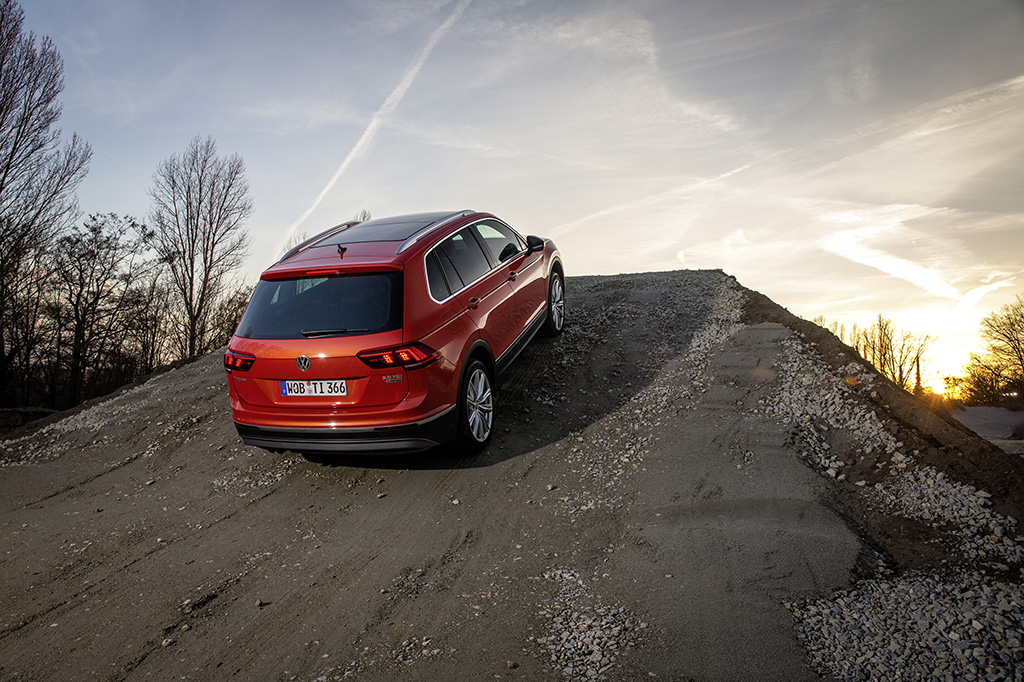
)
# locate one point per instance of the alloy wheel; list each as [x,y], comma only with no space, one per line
[557,303]
[479,405]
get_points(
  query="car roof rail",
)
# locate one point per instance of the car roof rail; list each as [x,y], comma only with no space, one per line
[318,237]
[427,229]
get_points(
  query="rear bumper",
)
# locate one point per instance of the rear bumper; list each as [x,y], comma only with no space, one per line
[413,437]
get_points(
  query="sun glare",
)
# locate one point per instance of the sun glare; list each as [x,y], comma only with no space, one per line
[953,338]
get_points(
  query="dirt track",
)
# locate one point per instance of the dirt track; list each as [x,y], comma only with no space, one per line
[641,503]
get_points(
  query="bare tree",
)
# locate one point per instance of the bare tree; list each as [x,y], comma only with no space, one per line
[838,330]
[996,376]
[147,335]
[38,178]
[1003,333]
[96,268]
[200,205]
[895,353]
[985,382]
[229,311]
[295,240]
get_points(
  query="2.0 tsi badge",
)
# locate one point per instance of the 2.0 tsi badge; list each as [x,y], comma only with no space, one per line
[302,362]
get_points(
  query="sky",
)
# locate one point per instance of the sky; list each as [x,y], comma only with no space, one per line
[845,158]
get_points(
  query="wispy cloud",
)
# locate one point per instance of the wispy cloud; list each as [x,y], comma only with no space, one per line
[284,116]
[974,296]
[927,153]
[854,77]
[874,234]
[386,18]
[870,226]
[612,31]
[390,104]
[662,199]
[719,250]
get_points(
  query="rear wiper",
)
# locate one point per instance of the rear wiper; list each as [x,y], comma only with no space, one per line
[309,333]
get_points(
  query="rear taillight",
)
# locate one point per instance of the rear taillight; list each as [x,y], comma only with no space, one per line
[413,356]
[233,362]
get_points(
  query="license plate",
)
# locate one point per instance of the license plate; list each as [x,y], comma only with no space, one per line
[324,387]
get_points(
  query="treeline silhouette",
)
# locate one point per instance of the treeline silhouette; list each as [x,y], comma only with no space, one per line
[87,305]
[96,310]
[993,376]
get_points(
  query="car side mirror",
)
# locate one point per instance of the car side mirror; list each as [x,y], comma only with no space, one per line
[534,243]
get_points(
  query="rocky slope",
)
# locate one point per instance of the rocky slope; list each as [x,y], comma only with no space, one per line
[689,483]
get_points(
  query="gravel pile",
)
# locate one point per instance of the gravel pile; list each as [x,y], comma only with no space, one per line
[254,472]
[584,636]
[52,440]
[142,406]
[917,627]
[926,494]
[814,400]
[723,321]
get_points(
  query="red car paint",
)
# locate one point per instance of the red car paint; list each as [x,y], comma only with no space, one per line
[413,379]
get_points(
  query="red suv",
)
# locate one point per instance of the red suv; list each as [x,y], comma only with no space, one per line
[389,335]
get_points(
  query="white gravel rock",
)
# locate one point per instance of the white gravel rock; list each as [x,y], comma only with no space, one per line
[968,627]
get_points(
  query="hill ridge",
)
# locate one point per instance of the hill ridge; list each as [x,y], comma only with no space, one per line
[687,472]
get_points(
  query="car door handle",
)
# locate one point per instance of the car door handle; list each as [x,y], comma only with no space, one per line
[474,303]
[512,274]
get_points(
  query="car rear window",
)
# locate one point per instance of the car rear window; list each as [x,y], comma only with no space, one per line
[324,306]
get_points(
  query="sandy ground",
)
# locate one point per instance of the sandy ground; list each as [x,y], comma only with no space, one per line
[995,424]
[639,515]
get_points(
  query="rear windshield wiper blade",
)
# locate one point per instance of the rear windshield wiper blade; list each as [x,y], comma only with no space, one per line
[309,333]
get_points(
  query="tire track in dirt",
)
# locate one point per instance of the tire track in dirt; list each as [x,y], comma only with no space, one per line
[630,482]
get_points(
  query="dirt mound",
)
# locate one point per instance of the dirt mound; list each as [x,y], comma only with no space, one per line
[687,472]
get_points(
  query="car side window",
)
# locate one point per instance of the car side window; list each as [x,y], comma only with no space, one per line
[455,282]
[465,255]
[435,278]
[501,241]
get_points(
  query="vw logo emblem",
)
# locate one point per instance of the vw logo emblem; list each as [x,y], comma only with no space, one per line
[302,362]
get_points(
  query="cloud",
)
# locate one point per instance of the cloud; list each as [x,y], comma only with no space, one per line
[612,31]
[924,155]
[673,200]
[855,78]
[719,250]
[387,18]
[877,231]
[289,115]
[972,297]
[390,104]
[878,224]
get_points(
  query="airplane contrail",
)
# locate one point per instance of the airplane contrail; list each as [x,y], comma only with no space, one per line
[390,104]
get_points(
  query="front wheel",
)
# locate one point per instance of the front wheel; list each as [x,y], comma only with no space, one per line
[476,408]
[556,305]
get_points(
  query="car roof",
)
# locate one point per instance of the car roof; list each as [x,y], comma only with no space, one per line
[361,245]
[393,229]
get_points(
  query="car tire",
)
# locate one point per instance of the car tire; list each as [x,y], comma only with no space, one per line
[476,408]
[556,305]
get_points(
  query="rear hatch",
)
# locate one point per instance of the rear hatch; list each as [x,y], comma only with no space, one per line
[305,333]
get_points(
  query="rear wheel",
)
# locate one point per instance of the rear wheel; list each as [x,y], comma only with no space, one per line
[556,305]
[476,408]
